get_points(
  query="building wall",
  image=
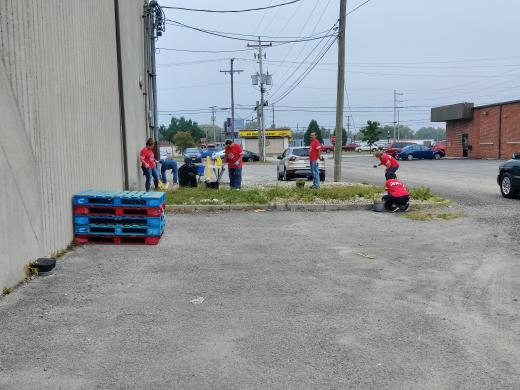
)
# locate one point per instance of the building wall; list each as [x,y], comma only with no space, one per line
[486,140]
[60,117]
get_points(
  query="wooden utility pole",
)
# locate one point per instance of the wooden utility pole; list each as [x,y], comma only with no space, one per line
[231,71]
[340,91]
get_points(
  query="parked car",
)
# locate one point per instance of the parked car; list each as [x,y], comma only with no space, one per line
[395,147]
[367,148]
[509,177]
[250,156]
[382,145]
[193,154]
[440,145]
[209,152]
[327,148]
[419,151]
[294,162]
[349,147]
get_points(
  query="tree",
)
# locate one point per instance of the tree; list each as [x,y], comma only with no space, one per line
[344,134]
[183,140]
[371,133]
[313,128]
[431,133]
[213,136]
[181,124]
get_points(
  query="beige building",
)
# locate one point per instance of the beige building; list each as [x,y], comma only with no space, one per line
[73,116]
[276,140]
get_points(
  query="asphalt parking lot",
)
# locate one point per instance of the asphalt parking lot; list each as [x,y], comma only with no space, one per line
[352,299]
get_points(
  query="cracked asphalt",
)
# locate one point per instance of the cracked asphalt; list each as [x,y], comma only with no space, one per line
[339,300]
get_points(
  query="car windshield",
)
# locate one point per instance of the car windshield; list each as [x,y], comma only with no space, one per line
[407,147]
[192,150]
[301,152]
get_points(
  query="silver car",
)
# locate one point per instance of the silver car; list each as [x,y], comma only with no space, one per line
[294,162]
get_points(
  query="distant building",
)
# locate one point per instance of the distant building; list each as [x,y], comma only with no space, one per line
[490,131]
[276,140]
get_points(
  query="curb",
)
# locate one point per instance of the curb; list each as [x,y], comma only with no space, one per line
[186,209]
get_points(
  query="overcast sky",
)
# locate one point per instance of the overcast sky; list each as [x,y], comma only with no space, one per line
[434,52]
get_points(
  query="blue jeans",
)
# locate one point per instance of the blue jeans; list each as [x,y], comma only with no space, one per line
[315,174]
[167,165]
[149,172]
[235,178]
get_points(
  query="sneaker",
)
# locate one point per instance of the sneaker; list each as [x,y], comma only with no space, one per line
[404,207]
[395,209]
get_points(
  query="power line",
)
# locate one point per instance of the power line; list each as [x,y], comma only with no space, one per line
[358,7]
[234,11]
[202,51]
[228,35]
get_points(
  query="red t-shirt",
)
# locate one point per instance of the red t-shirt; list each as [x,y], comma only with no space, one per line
[314,151]
[396,188]
[148,156]
[233,154]
[386,157]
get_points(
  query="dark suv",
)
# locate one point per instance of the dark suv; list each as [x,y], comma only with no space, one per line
[509,177]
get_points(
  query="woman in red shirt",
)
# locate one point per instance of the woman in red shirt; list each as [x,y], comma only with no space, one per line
[148,164]
[397,196]
[388,161]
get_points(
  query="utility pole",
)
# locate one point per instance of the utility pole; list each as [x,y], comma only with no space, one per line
[348,127]
[231,71]
[213,117]
[257,108]
[155,26]
[340,91]
[396,115]
[273,126]
[264,79]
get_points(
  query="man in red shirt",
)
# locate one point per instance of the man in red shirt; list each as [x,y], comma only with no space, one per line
[388,161]
[148,164]
[233,156]
[314,155]
[397,196]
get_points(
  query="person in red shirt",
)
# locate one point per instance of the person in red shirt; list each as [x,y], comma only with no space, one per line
[397,196]
[233,157]
[388,161]
[148,164]
[314,155]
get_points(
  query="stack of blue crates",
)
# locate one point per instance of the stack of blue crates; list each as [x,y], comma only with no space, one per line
[119,217]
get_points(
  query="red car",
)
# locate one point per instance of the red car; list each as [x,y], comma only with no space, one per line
[327,148]
[349,147]
[395,147]
[440,145]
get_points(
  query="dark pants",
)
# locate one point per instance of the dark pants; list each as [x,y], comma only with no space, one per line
[391,202]
[167,165]
[391,170]
[148,173]
[235,178]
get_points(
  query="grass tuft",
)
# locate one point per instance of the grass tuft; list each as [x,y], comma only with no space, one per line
[7,290]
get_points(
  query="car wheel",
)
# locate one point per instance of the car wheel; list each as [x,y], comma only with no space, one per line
[250,159]
[322,176]
[278,174]
[436,156]
[359,150]
[285,175]
[409,157]
[327,151]
[507,188]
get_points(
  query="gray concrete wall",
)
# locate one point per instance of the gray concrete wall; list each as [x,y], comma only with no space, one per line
[60,118]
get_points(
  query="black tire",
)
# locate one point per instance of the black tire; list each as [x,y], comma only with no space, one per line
[507,187]
[327,151]
[285,175]
[250,159]
[280,177]
[436,156]
[322,176]
[409,157]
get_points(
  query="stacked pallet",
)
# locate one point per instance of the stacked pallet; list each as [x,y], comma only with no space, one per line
[126,217]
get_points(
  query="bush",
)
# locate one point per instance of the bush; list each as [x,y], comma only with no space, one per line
[421,193]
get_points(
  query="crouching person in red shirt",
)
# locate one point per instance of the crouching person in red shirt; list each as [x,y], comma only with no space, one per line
[397,196]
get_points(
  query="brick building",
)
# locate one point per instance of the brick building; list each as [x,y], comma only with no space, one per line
[490,131]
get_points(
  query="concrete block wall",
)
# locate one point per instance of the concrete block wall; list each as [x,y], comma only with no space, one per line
[60,118]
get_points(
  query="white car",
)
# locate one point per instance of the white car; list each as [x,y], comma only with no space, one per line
[294,162]
[367,148]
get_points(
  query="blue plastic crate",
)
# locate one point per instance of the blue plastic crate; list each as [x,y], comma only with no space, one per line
[117,220]
[119,198]
[117,230]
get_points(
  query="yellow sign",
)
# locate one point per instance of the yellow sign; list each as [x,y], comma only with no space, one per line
[279,133]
